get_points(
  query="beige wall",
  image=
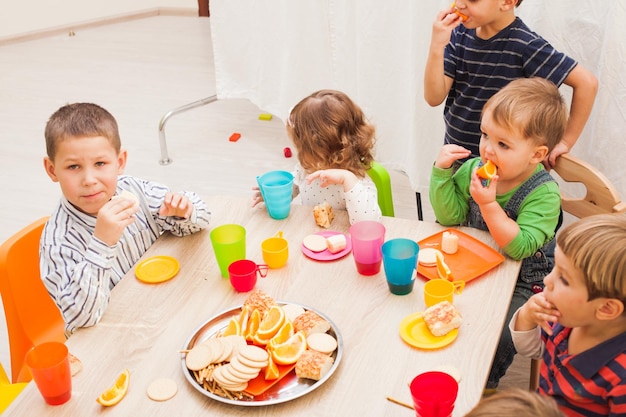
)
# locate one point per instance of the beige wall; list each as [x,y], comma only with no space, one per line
[24,17]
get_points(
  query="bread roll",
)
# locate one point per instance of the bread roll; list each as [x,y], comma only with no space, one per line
[323,214]
[310,322]
[313,365]
[442,318]
[260,301]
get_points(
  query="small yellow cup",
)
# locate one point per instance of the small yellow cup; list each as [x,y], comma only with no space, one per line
[275,251]
[438,290]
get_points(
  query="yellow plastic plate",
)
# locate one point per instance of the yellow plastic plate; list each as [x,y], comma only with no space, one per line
[157,269]
[413,331]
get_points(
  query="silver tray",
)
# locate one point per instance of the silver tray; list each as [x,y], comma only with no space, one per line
[288,388]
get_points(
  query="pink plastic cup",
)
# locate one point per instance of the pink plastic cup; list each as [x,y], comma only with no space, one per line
[434,394]
[243,274]
[367,240]
[50,365]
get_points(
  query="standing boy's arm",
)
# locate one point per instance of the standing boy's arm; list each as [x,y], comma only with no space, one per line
[585,87]
[436,83]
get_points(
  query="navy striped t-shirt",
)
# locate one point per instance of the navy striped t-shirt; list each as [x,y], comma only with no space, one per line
[481,67]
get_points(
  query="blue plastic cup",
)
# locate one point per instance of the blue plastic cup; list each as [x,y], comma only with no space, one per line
[276,188]
[400,260]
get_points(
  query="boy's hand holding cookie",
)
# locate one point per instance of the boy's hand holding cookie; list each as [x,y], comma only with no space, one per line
[176,205]
[450,153]
[537,311]
[113,218]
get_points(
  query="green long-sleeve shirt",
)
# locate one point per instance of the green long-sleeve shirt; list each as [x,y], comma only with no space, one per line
[537,218]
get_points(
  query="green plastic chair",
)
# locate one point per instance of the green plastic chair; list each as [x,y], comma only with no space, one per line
[380,177]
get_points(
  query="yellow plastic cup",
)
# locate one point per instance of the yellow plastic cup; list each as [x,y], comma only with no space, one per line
[275,251]
[438,290]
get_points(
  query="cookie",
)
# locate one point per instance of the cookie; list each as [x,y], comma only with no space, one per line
[428,256]
[315,243]
[322,342]
[254,353]
[162,389]
[199,357]
[292,311]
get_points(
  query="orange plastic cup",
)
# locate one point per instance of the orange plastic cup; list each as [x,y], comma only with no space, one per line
[50,365]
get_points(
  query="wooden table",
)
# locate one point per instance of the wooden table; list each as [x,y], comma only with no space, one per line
[146,324]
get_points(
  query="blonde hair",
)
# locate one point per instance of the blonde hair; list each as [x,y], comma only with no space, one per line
[330,131]
[80,120]
[597,246]
[516,402]
[533,107]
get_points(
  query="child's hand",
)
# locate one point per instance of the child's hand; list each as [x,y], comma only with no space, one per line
[113,218]
[444,24]
[257,197]
[176,205]
[450,153]
[483,194]
[537,312]
[334,176]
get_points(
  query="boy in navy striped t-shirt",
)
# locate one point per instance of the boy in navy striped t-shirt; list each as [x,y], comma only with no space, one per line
[578,323]
[469,61]
[92,239]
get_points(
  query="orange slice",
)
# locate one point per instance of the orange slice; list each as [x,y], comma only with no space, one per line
[487,171]
[283,334]
[271,323]
[290,351]
[442,268]
[117,391]
[463,17]
[244,316]
[271,370]
[233,328]
[253,325]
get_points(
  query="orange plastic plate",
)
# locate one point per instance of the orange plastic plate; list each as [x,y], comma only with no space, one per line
[472,260]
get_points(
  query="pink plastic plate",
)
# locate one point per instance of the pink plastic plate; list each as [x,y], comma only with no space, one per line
[326,255]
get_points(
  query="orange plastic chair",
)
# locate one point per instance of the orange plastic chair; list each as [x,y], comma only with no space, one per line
[32,316]
[8,391]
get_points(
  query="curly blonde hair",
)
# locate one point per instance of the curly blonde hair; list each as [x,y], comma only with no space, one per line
[330,131]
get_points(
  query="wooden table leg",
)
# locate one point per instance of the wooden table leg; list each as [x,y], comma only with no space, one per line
[203,8]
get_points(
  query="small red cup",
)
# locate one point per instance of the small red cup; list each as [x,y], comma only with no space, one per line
[434,394]
[50,365]
[243,274]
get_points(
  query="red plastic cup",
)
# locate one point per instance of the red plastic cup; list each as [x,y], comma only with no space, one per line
[243,274]
[50,365]
[434,394]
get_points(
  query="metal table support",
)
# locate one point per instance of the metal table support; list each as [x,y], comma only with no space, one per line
[165,159]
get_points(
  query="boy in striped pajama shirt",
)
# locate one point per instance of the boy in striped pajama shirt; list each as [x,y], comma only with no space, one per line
[92,239]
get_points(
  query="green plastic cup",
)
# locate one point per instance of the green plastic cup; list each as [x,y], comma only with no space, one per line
[229,244]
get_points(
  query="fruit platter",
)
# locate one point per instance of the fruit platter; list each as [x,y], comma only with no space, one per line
[262,353]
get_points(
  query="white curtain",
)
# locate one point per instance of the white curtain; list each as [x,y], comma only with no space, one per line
[276,52]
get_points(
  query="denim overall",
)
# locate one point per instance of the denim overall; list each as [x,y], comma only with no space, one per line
[530,278]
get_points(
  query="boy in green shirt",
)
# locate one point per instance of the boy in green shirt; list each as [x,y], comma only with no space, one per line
[521,204]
